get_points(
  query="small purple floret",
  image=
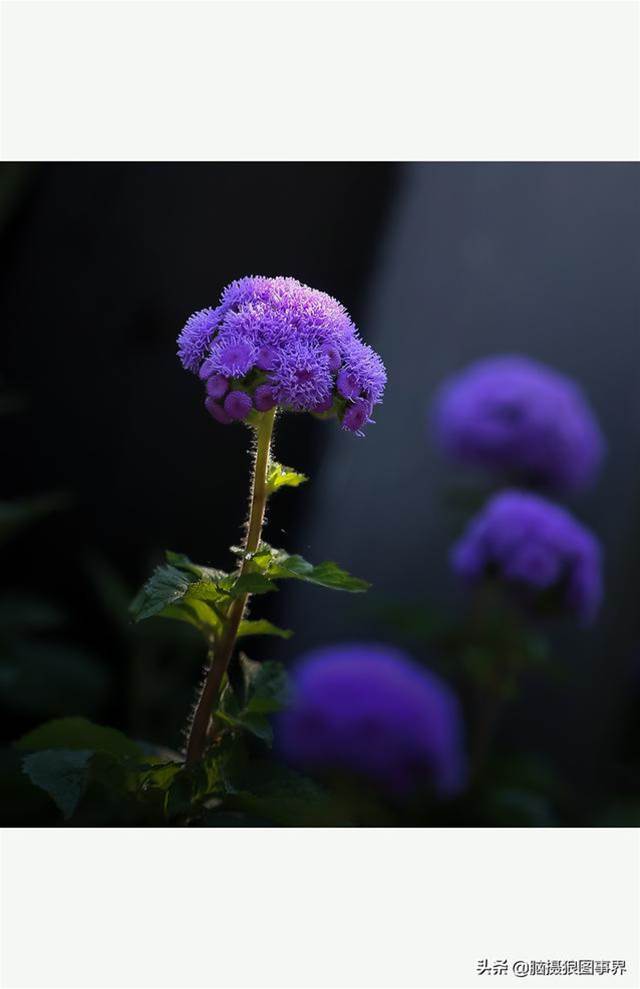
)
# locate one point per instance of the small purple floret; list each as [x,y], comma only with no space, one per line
[369,710]
[333,356]
[238,405]
[264,398]
[356,415]
[232,356]
[217,412]
[217,386]
[348,385]
[533,545]
[325,406]
[195,338]
[517,416]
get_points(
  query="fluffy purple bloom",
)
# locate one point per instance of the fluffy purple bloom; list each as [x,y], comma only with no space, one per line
[279,339]
[514,415]
[535,546]
[369,710]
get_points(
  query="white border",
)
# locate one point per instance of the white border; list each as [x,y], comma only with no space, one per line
[304,909]
[386,80]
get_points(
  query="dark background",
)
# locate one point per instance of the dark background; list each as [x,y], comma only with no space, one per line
[438,264]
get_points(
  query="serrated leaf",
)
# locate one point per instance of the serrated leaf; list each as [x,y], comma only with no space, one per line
[278,564]
[62,773]
[267,686]
[249,583]
[262,627]
[184,590]
[265,691]
[280,476]
[78,734]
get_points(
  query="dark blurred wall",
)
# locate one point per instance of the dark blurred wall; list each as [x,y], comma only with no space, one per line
[481,259]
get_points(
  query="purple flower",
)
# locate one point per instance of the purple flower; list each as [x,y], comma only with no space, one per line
[285,344]
[514,415]
[535,546]
[369,710]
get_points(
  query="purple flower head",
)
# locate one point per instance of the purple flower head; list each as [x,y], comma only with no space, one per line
[369,710]
[514,415]
[535,546]
[281,340]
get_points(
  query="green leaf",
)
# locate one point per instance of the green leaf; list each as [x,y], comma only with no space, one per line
[183,590]
[262,627]
[192,786]
[265,689]
[249,583]
[78,734]
[278,564]
[62,773]
[280,476]
[266,686]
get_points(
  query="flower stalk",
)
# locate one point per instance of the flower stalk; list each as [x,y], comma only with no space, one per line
[225,645]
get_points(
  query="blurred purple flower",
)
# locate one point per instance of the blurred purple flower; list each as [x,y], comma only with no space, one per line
[515,415]
[535,546]
[279,339]
[368,710]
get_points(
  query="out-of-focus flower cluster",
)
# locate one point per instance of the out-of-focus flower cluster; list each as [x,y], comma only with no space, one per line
[276,342]
[534,546]
[526,421]
[368,710]
[515,416]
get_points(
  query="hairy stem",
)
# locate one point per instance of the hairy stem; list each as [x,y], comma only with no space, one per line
[224,650]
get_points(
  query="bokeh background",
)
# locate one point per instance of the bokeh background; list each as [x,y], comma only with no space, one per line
[109,457]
